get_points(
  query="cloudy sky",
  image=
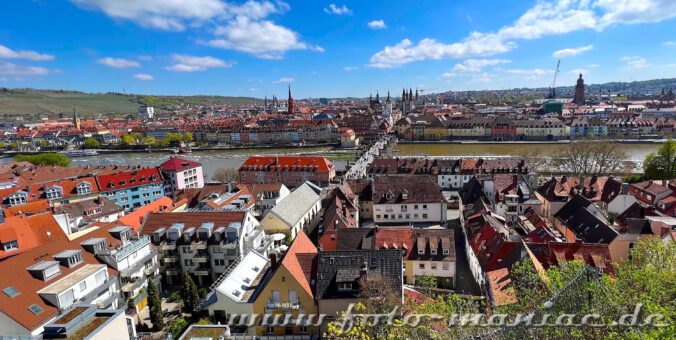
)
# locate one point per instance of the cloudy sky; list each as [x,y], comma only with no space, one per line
[325,48]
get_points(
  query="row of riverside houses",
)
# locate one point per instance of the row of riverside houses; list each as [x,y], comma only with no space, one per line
[441,127]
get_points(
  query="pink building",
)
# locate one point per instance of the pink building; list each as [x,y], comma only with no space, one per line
[181,174]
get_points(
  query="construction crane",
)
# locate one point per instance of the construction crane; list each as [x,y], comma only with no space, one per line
[552,89]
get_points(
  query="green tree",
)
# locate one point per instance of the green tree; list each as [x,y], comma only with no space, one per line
[155,306]
[177,327]
[187,136]
[149,140]
[190,293]
[427,282]
[44,144]
[662,164]
[128,139]
[91,143]
[56,159]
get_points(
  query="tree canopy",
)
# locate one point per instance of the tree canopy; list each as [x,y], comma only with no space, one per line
[57,159]
[661,164]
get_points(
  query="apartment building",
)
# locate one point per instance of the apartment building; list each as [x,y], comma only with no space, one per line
[132,188]
[299,211]
[407,199]
[292,171]
[180,173]
[203,244]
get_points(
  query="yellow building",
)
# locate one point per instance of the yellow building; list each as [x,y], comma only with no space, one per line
[289,292]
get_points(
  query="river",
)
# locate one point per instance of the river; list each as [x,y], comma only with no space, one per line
[233,159]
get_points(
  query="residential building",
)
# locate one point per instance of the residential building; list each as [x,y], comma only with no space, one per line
[180,173]
[203,244]
[132,188]
[292,171]
[433,254]
[74,216]
[21,233]
[290,289]
[299,211]
[266,196]
[345,277]
[410,199]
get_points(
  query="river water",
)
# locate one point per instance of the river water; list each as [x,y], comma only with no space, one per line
[233,159]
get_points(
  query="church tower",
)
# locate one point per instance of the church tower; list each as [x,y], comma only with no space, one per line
[290,104]
[579,91]
[76,120]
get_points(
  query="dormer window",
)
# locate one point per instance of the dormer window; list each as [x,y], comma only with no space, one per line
[84,188]
[421,251]
[404,195]
[18,198]
[45,270]
[433,251]
[69,258]
[10,246]
[54,192]
[447,251]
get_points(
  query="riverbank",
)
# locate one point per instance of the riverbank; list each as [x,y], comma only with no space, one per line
[527,142]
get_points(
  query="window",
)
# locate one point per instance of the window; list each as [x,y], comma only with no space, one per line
[446,251]
[433,251]
[421,266]
[434,266]
[446,266]
[83,286]
[35,309]
[424,215]
[424,206]
[415,207]
[345,286]
[10,291]
[271,329]
[11,245]
[54,192]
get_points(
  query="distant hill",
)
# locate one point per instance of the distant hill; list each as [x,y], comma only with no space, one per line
[31,101]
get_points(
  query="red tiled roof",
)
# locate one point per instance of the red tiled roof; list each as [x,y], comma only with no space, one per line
[28,208]
[128,179]
[135,218]
[285,163]
[20,279]
[155,221]
[178,164]
[295,261]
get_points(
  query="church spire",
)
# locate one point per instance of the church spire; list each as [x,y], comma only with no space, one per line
[290,104]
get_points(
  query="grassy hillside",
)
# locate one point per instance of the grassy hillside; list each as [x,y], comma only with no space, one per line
[28,101]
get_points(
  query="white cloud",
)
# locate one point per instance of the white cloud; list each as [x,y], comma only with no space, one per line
[171,15]
[9,69]
[476,65]
[145,58]
[186,63]
[449,74]
[242,27]
[543,19]
[593,65]
[576,72]
[118,62]
[350,68]
[253,89]
[283,80]
[377,24]
[571,52]
[533,72]
[263,39]
[634,62]
[669,43]
[7,53]
[143,77]
[338,10]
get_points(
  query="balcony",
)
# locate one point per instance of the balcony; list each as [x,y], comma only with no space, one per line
[139,263]
[170,259]
[199,245]
[271,306]
[125,250]
[167,246]
[202,272]
[172,271]
[131,286]
[200,259]
[151,270]
[229,245]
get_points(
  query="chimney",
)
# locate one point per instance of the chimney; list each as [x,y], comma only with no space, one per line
[515,179]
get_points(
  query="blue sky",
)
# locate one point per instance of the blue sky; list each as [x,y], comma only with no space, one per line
[328,48]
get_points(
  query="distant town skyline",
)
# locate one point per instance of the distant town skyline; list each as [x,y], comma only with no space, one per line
[330,49]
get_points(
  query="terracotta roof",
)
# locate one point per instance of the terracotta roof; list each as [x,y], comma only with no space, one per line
[16,307]
[155,221]
[178,164]
[30,208]
[128,179]
[298,261]
[286,163]
[501,287]
[135,218]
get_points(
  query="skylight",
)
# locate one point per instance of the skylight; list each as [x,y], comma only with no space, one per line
[10,291]
[35,309]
